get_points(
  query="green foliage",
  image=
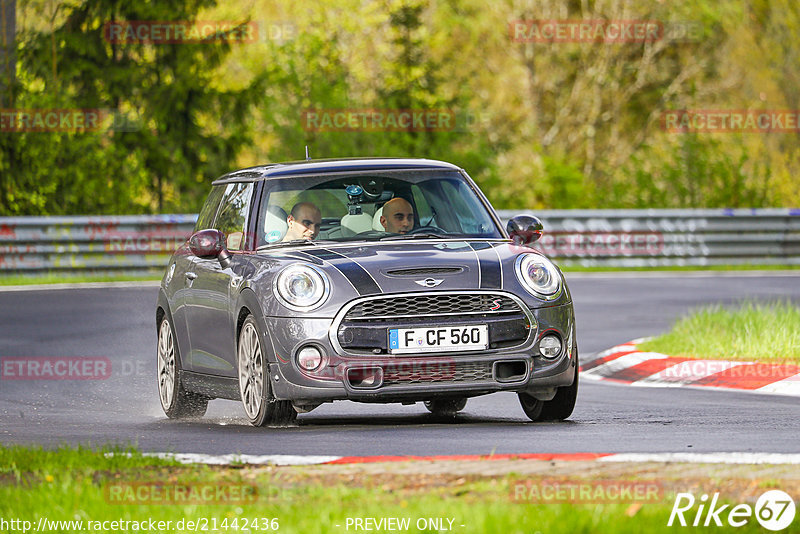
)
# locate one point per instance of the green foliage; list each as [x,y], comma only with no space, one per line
[538,125]
[694,172]
[164,157]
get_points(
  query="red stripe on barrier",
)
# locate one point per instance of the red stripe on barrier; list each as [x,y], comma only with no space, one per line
[578,456]
[752,376]
[644,369]
[605,359]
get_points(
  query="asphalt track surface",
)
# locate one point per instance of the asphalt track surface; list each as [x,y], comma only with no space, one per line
[123,409]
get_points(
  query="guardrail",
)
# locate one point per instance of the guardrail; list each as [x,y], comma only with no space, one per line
[121,244]
[619,238]
[654,238]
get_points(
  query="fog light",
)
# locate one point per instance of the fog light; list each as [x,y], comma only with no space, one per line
[550,346]
[309,358]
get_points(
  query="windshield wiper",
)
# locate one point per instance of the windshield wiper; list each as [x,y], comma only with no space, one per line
[280,244]
[422,235]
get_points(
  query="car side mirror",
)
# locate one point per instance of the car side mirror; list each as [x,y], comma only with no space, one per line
[525,229]
[210,244]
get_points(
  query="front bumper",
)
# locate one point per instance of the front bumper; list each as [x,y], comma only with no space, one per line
[411,378]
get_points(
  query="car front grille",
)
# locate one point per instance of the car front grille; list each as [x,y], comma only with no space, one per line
[433,304]
[364,327]
[435,373]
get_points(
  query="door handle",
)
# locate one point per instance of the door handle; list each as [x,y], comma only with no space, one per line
[190,276]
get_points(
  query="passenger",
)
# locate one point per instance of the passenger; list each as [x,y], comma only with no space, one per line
[304,222]
[397,216]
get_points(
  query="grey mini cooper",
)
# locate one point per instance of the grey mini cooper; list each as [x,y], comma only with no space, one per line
[369,280]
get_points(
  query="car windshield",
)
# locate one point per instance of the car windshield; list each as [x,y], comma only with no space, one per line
[374,206]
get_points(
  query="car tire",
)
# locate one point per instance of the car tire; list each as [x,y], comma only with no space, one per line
[530,405]
[260,406]
[563,403]
[176,402]
[560,406]
[446,407]
[283,413]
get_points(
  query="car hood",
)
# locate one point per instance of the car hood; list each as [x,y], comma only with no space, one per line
[402,266]
[374,268]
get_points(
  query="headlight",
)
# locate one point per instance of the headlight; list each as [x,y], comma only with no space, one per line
[539,276]
[301,287]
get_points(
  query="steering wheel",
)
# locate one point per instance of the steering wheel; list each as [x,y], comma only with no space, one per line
[371,233]
[427,230]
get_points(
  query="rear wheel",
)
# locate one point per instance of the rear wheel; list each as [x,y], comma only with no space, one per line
[446,407]
[175,400]
[260,406]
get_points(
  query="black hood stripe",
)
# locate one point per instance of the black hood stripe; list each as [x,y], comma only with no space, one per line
[299,255]
[488,265]
[316,261]
[364,283]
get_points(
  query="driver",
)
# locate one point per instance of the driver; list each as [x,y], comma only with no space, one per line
[304,222]
[397,216]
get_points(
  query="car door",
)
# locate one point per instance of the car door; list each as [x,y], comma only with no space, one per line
[212,289]
[181,281]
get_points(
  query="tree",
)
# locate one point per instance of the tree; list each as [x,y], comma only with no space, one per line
[180,130]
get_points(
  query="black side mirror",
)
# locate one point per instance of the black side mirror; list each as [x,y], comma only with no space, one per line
[525,229]
[210,244]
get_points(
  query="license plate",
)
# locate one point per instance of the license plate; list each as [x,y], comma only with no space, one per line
[438,339]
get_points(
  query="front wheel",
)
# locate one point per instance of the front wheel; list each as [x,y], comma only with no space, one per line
[259,404]
[175,400]
[563,403]
[557,409]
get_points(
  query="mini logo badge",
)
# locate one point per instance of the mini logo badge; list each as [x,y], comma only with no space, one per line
[428,282]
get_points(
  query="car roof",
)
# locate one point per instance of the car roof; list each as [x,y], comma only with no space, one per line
[323,166]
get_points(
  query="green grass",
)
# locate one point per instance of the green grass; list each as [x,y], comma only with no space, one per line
[751,331]
[74,485]
[22,280]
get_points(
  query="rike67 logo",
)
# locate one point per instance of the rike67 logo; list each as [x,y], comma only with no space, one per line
[774,510]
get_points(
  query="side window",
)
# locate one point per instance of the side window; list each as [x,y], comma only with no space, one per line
[209,211]
[233,213]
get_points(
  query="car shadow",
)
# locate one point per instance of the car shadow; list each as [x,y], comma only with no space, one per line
[350,422]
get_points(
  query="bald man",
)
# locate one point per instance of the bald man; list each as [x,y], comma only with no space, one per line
[304,222]
[397,216]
